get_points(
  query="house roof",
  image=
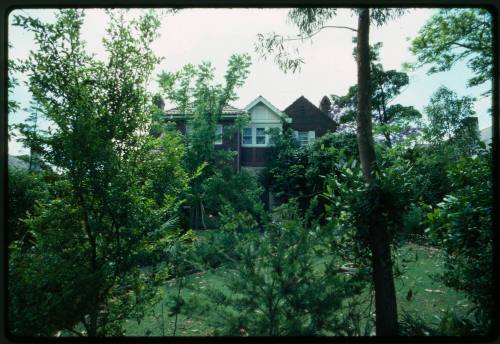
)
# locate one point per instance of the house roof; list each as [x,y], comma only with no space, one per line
[486,134]
[15,162]
[261,99]
[227,110]
[302,105]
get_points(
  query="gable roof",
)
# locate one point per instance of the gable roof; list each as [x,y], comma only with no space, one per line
[302,105]
[486,134]
[227,110]
[261,99]
[15,162]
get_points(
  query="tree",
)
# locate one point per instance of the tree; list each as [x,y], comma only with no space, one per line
[195,95]
[446,113]
[24,190]
[298,173]
[392,121]
[456,34]
[95,235]
[277,287]
[310,22]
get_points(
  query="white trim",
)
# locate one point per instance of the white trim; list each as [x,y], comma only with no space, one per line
[261,99]
[311,136]
[254,143]
[251,137]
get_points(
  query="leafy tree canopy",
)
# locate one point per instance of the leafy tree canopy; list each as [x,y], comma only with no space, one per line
[457,34]
[446,113]
[94,234]
[391,120]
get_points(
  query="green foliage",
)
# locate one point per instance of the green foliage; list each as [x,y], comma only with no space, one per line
[429,170]
[354,207]
[394,121]
[112,211]
[296,172]
[413,220]
[462,225]
[446,113]
[24,190]
[456,34]
[219,247]
[240,191]
[193,91]
[278,287]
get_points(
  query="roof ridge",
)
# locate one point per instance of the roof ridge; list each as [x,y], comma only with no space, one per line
[307,100]
[226,108]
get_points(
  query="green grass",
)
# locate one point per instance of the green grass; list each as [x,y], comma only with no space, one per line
[420,266]
[430,298]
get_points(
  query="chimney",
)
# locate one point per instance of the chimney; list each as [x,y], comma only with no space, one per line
[325,105]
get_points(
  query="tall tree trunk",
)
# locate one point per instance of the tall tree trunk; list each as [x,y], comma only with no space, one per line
[364,119]
[385,296]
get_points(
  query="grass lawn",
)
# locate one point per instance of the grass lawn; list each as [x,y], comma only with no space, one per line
[429,298]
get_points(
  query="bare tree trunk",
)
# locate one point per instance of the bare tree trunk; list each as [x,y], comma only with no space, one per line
[364,119]
[385,295]
[178,300]
[202,212]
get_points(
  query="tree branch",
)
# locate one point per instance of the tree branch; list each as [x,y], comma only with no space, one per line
[319,30]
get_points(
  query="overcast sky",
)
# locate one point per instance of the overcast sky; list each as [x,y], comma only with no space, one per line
[196,35]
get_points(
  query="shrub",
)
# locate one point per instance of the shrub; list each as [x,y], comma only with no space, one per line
[280,287]
[24,189]
[298,173]
[462,225]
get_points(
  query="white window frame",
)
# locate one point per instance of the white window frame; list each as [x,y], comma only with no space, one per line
[300,135]
[267,138]
[260,136]
[303,138]
[243,137]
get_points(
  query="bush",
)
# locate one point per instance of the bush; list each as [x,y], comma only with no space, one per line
[24,189]
[414,224]
[462,225]
[297,173]
[218,247]
[280,287]
[241,190]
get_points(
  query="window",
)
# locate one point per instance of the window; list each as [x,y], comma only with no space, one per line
[256,136]
[260,137]
[247,136]
[218,134]
[303,137]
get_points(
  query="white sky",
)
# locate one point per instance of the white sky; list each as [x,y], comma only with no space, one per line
[195,35]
